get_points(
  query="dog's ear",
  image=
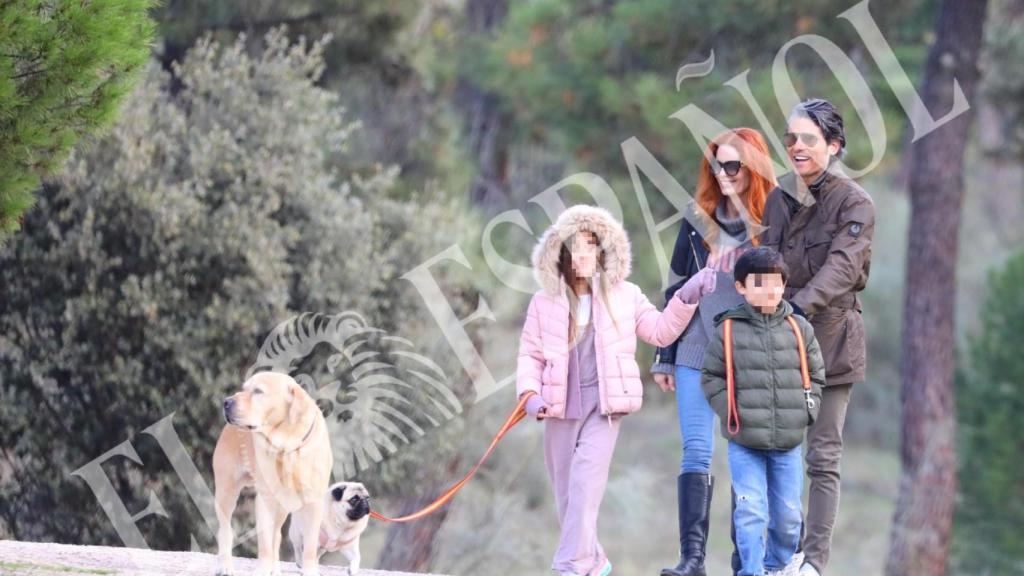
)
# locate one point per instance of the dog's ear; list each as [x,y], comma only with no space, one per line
[338,493]
[294,402]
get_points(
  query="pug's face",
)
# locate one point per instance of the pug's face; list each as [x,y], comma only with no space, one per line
[347,502]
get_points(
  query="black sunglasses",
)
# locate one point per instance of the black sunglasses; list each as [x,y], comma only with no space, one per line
[731,167]
[790,138]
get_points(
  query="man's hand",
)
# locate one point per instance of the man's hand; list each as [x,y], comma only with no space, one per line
[666,382]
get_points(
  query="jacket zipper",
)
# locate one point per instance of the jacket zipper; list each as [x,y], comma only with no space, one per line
[771,364]
[694,250]
[601,388]
[689,240]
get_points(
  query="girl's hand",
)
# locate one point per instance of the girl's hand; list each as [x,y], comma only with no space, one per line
[536,407]
[701,283]
[667,382]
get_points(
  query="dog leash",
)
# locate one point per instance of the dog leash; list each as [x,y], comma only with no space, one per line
[733,417]
[517,414]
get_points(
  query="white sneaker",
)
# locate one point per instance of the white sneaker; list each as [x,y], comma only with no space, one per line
[793,568]
[808,570]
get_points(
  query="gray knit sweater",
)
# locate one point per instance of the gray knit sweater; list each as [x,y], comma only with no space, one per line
[694,340]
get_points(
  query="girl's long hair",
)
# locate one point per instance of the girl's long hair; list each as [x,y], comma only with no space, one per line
[569,276]
[753,151]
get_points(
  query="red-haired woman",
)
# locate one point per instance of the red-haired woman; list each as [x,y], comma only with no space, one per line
[723,220]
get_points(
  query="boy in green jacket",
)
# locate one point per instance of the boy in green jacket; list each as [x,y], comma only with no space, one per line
[763,374]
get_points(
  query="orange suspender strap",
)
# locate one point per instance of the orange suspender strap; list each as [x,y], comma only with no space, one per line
[805,372]
[733,418]
[517,414]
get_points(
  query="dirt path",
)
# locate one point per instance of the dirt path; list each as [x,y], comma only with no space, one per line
[41,559]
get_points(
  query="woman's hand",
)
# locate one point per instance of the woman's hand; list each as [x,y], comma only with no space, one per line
[666,382]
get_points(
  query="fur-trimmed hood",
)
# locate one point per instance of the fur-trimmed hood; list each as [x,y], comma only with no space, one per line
[611,237]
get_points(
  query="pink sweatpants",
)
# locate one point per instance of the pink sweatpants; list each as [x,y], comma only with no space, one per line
[578,454]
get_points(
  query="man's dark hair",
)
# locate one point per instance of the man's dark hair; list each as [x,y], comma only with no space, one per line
[760,260]
[828,119]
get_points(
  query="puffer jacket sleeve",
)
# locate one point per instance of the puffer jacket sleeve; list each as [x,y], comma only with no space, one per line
[665,356]
[816,366]
[530,364]
[661,328]
[712,375]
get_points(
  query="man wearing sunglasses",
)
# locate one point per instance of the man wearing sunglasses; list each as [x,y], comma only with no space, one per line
[822,223]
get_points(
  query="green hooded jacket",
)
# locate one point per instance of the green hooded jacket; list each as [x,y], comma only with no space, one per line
[770,399]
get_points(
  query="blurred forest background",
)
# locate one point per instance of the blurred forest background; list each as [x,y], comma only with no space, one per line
[178,178]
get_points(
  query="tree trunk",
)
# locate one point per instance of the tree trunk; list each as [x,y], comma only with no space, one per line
[409,547]
[485,125]
[924,512]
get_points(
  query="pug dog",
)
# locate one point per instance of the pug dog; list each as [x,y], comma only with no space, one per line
[346,515]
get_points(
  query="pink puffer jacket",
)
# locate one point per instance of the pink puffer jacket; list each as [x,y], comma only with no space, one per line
[543,363]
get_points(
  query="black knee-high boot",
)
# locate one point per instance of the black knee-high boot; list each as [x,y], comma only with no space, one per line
[695,490]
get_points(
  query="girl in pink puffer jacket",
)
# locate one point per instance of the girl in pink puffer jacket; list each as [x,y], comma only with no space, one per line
[578,353]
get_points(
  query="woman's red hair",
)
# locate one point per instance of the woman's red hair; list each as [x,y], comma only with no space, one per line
[753,151]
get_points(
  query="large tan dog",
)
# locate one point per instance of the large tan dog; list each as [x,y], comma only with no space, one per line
[276,441]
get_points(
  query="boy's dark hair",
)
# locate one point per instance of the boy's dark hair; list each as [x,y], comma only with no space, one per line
[760,260]
[827,117]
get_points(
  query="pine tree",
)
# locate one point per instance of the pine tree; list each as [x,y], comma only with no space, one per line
[991,399]
[65,66]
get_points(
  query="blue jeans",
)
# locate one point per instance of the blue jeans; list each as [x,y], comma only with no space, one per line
[696,421]
[768,485]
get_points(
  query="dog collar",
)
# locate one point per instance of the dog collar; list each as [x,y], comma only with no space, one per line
[302,443]
[305,439]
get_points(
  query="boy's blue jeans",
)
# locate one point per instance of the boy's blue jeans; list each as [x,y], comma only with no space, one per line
[768,485]
[696,421]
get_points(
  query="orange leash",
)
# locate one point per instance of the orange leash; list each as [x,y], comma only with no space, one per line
[805,372]
[517,414]
[730,382]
